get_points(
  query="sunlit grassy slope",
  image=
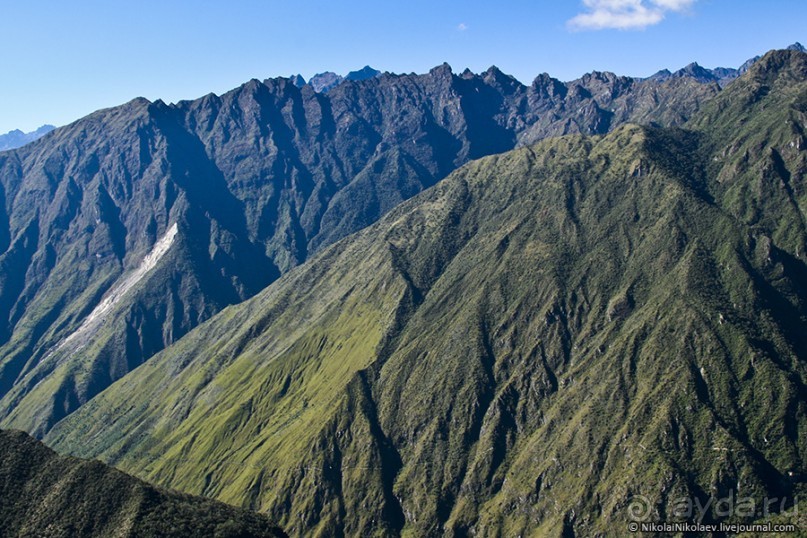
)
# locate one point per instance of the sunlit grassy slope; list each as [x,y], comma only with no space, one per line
[518,350]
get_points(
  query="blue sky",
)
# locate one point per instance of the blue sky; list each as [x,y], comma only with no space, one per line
[62,60]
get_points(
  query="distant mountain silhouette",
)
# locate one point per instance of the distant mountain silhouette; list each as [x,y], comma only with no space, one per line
[16,138]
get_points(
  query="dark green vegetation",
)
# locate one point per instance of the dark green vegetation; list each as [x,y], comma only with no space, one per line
[796,517]
[519,350]
[44,495]
[255,181]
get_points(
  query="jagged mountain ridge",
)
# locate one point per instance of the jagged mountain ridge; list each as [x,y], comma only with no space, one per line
[256,180]
[325,82]
[47,495]
[720,75]
[16,138]
[518,350]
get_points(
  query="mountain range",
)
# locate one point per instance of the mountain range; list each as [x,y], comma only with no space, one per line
[324,82]
[440,304]
[720,75]
[517,351]
[224,194]
[16,138]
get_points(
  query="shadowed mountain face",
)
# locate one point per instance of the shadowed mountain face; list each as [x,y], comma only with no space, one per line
[44,495]
[519,350]
[363,73]
[247,185]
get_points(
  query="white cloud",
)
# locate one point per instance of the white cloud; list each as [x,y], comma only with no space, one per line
[625,14]
[674,5]
[462,27]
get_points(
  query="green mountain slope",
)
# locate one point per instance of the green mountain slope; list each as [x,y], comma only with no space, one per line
[255,181]
[519,350]
[46,495]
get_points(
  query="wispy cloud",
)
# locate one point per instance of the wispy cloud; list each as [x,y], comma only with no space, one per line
[625,14]
[462,27]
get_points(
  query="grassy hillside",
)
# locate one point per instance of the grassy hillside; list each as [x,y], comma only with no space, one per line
[521,349]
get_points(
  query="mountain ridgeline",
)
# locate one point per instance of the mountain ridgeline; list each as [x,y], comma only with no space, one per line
[16,138]
[47,495]
[519,350]
[123,231]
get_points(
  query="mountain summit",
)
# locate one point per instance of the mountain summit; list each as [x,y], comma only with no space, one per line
[363,74]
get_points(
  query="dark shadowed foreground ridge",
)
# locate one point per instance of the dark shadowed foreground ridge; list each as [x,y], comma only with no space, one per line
[46,495]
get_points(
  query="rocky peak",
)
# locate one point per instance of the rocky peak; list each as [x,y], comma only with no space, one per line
[363,74]
[324,82]
[441,71]
[297,80]
[694,70]
[547,86]
[664,74]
